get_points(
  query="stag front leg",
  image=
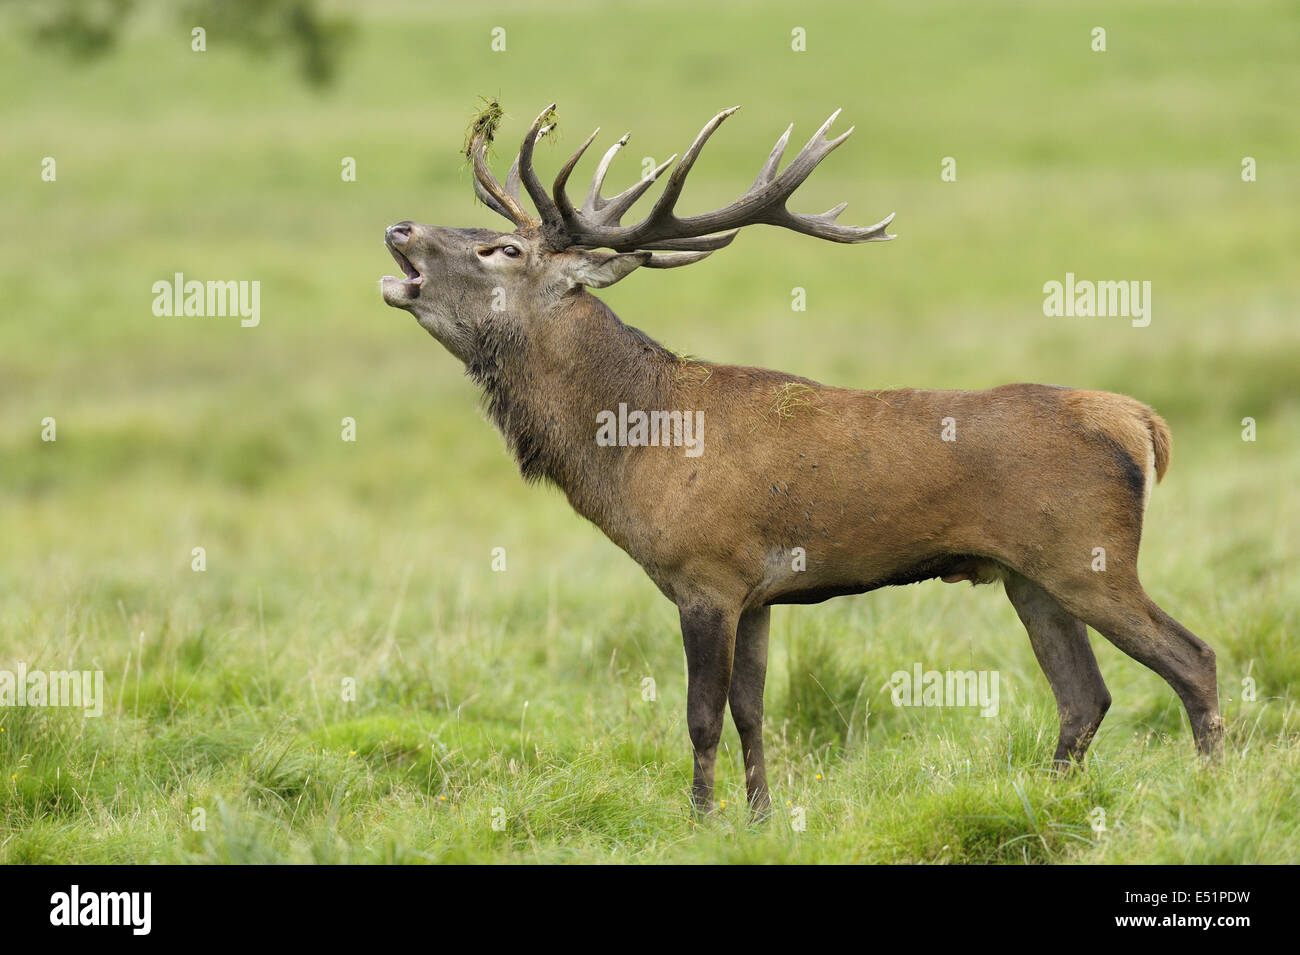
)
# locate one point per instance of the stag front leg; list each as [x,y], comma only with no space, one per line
[748,678]
[709,635]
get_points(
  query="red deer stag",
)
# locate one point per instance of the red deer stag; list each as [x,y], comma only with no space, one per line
[863,481]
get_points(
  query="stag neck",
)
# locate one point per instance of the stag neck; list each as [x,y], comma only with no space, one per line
[545,390]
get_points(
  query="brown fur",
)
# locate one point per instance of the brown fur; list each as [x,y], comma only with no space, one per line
[863,482]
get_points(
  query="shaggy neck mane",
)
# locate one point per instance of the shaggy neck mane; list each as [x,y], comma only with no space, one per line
[544,384]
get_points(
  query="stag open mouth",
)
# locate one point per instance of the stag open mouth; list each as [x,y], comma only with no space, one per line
[413,276]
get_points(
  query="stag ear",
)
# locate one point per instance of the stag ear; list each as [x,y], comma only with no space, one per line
[596,269]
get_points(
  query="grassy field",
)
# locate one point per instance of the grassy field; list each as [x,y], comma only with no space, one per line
[516,696]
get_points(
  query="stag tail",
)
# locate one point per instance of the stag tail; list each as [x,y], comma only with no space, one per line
[1162,443]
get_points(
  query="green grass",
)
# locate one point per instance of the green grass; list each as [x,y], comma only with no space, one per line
[522,691]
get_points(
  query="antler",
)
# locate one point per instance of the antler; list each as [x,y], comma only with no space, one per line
[598,224]
[504,200]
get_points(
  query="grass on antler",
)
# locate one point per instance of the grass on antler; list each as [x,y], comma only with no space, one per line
[484,124]
[486,121]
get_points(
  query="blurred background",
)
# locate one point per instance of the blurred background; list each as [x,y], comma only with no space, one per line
[372,559]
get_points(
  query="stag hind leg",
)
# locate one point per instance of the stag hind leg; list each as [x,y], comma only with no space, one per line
[1060,643]
[1114,604]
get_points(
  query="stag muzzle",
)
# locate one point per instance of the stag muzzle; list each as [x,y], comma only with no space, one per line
[401,240]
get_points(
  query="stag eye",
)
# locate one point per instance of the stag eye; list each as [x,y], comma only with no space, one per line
[511,250]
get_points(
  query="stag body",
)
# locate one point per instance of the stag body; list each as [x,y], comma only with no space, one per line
[1020,483]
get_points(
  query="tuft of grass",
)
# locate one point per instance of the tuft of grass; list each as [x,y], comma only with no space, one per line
[483,126]
[792,396]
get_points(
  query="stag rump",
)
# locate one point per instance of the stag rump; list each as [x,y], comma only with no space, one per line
[1031,481]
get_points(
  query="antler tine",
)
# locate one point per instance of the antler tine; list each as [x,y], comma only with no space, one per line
[490,200]
[594,202]
[552,221]
[491,193]
[616,208]
[608,213]
[512,178]
[773,160]
[704,243]
[567,212]
[821,226]
[824,226]
[595,208]
[672,260]
[663,207]
[800,168]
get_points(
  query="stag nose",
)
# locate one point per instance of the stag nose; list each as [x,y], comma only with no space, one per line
[399,234]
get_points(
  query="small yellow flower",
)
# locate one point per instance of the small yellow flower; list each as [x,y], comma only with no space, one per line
[354,752]
[789,803]
[13,775]
[819,775]
[724,804]
[442,799]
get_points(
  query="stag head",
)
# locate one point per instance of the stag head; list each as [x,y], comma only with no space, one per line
[456,280]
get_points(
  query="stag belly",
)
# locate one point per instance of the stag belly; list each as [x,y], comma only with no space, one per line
[950,568]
